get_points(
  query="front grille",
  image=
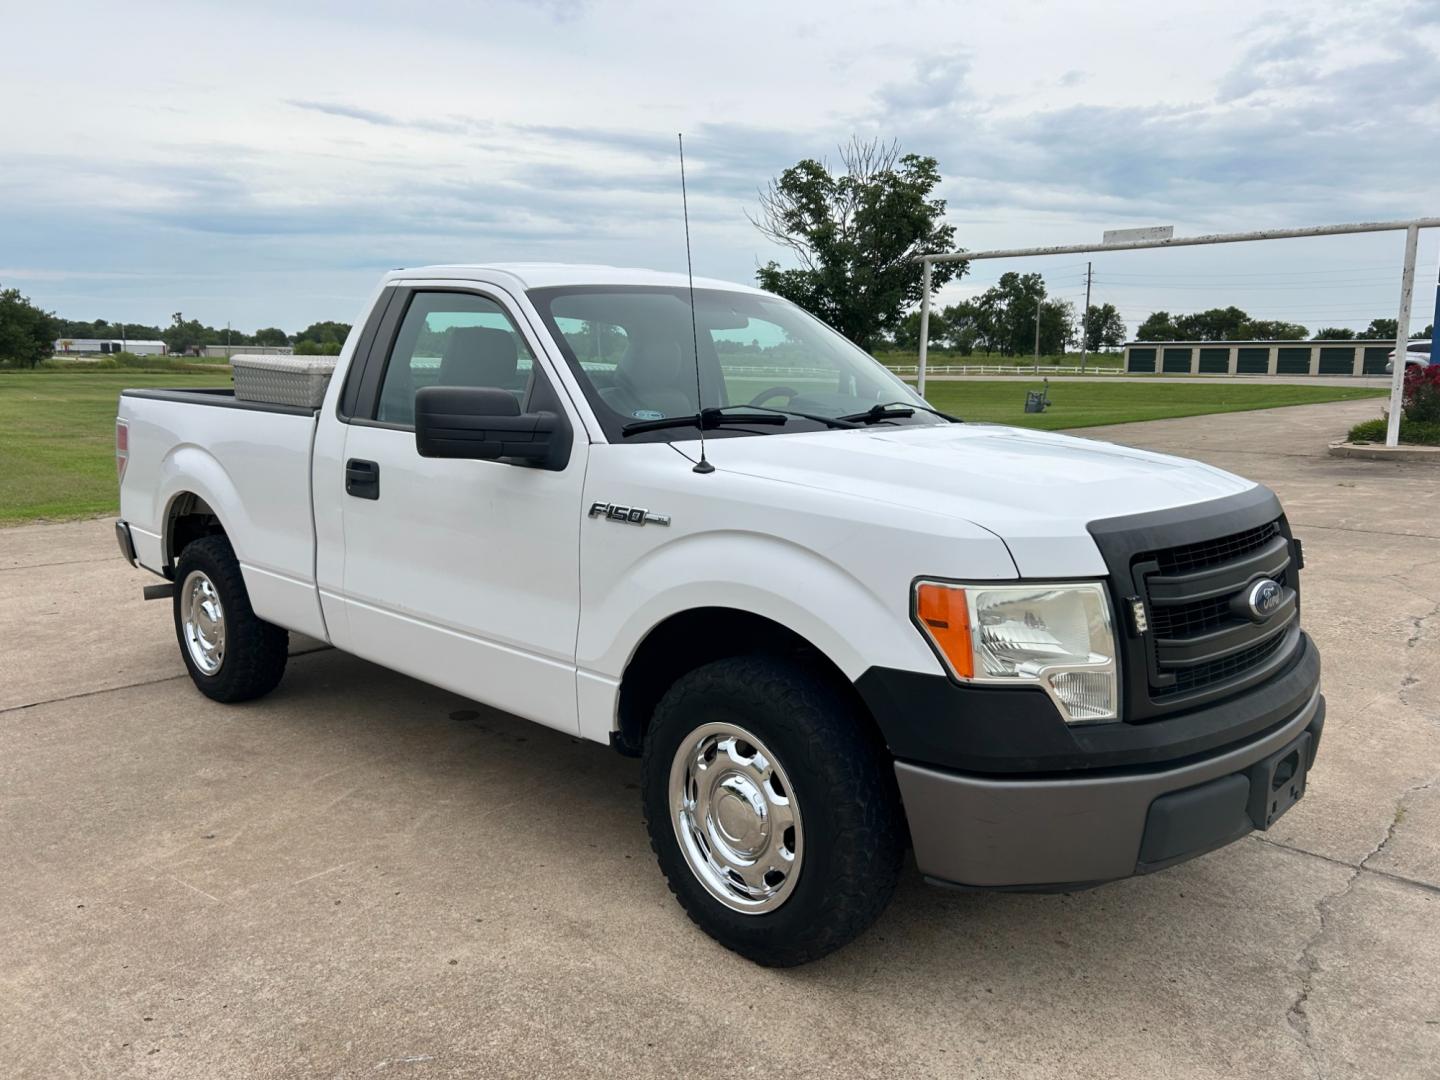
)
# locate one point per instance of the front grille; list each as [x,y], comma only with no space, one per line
[1190,619]
[1188,680]
[1201,637]
[1191,568]
[1190,557]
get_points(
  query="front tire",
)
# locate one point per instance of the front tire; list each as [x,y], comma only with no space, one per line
[231,653]
[772,809]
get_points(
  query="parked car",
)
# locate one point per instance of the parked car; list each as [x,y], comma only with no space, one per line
[832,622]
[1417,354]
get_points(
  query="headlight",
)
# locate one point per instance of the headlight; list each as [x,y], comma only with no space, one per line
[1059,636]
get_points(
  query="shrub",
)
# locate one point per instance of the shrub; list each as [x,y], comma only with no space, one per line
[1417,432]
[1422,394]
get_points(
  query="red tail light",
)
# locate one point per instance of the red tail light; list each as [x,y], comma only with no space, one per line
[122,447]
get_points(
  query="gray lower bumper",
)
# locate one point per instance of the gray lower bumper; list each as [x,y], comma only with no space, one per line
[987,833]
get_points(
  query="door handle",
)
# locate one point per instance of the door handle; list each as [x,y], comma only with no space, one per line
[362,478]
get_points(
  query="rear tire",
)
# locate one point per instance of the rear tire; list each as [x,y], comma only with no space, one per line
[754,763]
[231,653]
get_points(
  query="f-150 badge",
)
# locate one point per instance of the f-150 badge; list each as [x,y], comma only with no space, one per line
[627,515]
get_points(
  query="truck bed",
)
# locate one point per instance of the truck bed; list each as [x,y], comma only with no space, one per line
[250,464]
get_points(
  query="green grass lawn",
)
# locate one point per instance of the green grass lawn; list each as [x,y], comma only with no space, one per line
[1090,404]
[57,429]
[57,439]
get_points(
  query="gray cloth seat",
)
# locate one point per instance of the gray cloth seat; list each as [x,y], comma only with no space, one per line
[654,376]
[479,356]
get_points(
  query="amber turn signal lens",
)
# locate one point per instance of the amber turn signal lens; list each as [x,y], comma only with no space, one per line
[944,615]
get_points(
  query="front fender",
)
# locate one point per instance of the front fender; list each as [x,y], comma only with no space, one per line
[802,590]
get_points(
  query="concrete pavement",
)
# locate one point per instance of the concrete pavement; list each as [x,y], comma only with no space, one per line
[363,875]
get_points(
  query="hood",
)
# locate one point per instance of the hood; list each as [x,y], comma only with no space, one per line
[1037,491]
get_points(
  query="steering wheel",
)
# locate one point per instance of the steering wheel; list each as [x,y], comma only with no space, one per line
[774,391]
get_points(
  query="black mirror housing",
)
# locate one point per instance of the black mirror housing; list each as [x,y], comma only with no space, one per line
[485,423]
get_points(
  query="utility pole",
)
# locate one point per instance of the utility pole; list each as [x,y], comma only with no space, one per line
[1039,307]
[1085,320]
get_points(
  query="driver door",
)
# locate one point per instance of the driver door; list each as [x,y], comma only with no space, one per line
[462,573]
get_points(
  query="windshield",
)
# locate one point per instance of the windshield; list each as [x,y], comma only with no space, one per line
[632,349]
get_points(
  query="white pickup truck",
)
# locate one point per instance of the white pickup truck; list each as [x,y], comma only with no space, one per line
[850,625]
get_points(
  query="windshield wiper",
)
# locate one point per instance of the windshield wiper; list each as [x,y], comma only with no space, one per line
[828,421]
[897,410]
[705,419]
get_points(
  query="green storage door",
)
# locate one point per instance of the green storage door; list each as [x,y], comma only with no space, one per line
[1177,361]
[1337,359]
[1293,361]
[1144,360]
[1214,361]
[1253,361]
[1375,359]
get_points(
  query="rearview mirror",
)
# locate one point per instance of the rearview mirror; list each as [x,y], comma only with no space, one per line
[485,423]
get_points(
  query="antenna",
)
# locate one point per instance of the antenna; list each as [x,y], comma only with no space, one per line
[703,465]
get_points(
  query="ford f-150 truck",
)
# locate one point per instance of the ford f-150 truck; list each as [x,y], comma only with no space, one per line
[704,528]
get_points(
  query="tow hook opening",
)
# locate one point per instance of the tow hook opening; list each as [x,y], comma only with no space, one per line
[1285,770]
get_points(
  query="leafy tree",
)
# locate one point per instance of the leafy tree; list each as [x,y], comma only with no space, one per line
[1214,324]
[856,233]
[1158,327]
[1057,327]
[906,334]
[963,326]
[1381,328]
[1334,333]
[27,333]
[1104,328]
[324,333]
[270,335]
[317,348]
[185,335]
[1274,330]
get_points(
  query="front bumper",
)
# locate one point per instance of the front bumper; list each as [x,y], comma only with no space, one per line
[1087,828]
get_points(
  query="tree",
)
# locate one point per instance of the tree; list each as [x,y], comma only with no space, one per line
[1274,330]
[1334,333]
[1104,328]
[1057,327]
[1214,324]
[324,333]
[1381,328]
[963,326]
[184,335]
[271,335]
[906,334]
[856,234]
[27,334]
[1158,327]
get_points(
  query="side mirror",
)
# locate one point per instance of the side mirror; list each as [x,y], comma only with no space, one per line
[485,423]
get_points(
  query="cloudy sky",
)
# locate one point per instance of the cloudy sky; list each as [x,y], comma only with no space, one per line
[262,162]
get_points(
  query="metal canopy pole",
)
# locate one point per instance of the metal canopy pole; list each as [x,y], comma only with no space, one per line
[924,323]
[1190,241]
[1402,336]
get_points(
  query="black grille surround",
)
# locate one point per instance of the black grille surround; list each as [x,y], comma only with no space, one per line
[1192,567]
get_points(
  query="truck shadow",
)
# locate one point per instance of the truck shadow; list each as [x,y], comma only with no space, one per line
[505,800]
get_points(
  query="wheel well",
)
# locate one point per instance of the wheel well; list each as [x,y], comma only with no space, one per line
[693,638]
[188,519]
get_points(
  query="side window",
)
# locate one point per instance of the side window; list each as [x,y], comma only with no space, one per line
[452,339]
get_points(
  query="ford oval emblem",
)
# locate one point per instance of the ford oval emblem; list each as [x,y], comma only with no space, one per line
[1265,598]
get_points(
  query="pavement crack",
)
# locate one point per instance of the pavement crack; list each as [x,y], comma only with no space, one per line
[1297,1015]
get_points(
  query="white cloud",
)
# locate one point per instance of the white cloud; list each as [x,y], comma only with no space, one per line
[262,162]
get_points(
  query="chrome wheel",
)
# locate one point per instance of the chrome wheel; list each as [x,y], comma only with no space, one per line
[202,618]
[736,818]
